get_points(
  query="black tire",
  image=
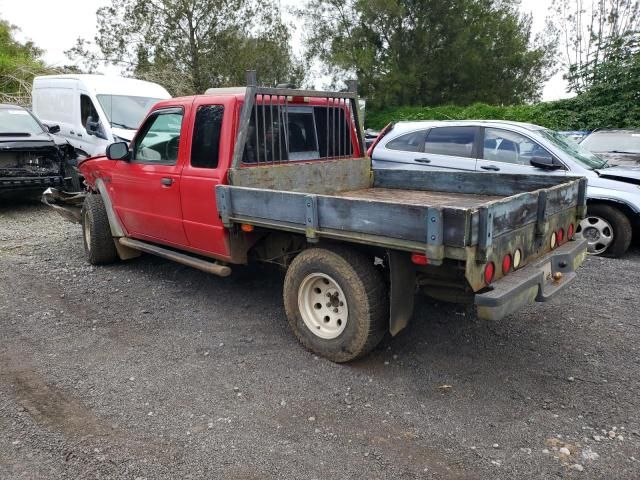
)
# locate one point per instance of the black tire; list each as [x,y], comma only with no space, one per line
[99,247]
[620,224]
[366,297]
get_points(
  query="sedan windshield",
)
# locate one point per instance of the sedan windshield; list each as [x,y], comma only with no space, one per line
[616,142]
[125,111]
[18,120]
[576,151]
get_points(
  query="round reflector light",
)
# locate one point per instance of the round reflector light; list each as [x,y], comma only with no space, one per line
[506,264]
[489,272]
[554,240]
[517,258]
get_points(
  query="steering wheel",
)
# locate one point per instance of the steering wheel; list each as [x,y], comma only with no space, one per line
[171,149]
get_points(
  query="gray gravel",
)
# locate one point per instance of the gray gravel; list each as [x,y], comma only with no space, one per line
[147,369]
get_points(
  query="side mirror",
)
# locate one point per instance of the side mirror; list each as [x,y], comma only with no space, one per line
[53,128]
[546,163]
[95,128]
[118,151]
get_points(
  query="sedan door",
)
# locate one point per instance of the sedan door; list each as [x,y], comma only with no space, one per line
[505,151]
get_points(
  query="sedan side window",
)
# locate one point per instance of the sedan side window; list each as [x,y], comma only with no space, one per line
[411,142]
[159,138]
[510,147]
[452,141]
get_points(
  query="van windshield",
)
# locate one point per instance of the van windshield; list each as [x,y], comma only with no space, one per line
[125,111]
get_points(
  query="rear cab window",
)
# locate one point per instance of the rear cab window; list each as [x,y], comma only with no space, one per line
[297,133]
[205,145]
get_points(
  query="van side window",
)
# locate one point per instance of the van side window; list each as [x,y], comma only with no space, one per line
[159,138]
[206,136]
[453,141]
[87,109]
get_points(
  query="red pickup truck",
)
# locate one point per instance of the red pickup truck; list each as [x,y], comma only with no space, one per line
[281,176]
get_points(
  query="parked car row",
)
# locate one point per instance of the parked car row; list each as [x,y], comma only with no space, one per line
[613,193]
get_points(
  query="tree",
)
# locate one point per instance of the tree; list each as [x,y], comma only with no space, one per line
[19,63]
[191,45]
[429,52]
[594,33]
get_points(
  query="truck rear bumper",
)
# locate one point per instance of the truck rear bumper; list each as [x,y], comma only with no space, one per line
[538,282]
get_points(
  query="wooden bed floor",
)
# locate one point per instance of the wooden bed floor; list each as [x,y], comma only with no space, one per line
[419,197]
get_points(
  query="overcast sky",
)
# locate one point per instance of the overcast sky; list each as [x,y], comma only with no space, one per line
[55,25]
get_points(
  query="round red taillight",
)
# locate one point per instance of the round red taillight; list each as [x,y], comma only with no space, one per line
[506,264]
[570,232]
[489,272]
[560,235]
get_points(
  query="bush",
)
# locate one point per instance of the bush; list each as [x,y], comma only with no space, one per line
[579,113]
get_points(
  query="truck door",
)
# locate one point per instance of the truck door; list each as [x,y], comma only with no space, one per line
[146,189]
[205,167]
[93,144]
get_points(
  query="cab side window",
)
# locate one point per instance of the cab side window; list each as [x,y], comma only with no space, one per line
[206,136]
[159,138]
[411,142]
[87,109]
[510,147]
[452,141]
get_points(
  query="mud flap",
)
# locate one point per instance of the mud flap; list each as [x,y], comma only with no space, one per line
[402,290]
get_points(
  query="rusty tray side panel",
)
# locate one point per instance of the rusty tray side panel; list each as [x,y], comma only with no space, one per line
[324,177]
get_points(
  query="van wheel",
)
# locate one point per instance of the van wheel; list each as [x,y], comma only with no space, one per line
[336,302]
[607,230]
[99,248]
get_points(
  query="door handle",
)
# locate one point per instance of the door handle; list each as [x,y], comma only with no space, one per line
[72,132]
[423,160]
[79,134]
[490,167]
[166,181]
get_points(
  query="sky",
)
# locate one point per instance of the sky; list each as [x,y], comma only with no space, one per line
[55,25]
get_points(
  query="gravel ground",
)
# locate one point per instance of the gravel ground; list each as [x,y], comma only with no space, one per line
[147,369]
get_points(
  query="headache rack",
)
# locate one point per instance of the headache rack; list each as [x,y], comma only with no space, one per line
[281,125]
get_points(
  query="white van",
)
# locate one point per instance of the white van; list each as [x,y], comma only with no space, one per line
[94,110]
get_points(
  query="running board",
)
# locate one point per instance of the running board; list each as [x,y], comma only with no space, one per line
[205,266]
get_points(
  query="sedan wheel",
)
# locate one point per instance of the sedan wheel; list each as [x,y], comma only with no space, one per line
[598,233]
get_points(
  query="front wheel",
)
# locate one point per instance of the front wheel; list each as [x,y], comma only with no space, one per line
[99,247]
[336,302]
[606,229]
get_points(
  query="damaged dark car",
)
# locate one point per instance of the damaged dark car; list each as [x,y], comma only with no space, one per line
[31,157]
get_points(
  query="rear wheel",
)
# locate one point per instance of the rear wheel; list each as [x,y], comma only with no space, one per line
[607,230]
[336,302]
[98,243]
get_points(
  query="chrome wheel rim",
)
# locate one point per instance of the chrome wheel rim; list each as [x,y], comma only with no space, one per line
[87,230]
[323,306]
[598,233]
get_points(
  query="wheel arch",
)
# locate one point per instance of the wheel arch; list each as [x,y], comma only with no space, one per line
[632,214]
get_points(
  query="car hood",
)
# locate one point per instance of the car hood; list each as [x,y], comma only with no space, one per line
[625,174]
[26,142]
[622,159]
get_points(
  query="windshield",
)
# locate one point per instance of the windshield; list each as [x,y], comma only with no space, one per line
[576,151]
[613,142]
[18,120]
[125,111]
